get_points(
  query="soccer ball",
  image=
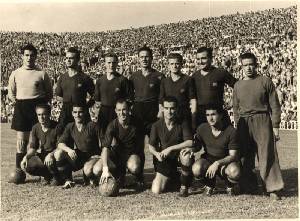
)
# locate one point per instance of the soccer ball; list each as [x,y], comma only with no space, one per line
[17,176]
[109,188]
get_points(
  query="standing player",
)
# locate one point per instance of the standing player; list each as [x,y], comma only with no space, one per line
[124,153]
[110,87]
[221,151]
[86,137]
[73,87]
[181,87]
[171,141]
[145,84]
[28,86]
[254,101]
[44,136]
[210,82]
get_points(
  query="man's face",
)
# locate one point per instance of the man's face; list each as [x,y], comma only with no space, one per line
[122,111]
[249,67]
[42,115]
[213,117]
[78,114]
[29,58]
[174,65]
[169,110]
[111,64]
[71,60]
[203,60]
[145,59]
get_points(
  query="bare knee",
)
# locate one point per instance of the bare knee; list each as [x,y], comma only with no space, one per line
[159,184]
[59,154]
[199,168]
[186,159]
[97,168]
[134,164]
[88,169]
[233,171]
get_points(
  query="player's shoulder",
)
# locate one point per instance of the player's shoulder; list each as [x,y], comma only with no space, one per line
[136,74]
[195,74]
[157,74]
[203,127]
[230,129]
[158,123]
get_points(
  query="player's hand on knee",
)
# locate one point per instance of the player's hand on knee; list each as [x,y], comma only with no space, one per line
[186,151]
[72,154]
[159,156]
[212,169]
[24,163]
[49,160]
[166,152]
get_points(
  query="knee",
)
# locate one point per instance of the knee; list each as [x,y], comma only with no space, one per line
[134,165]
[156,187]
[88,170]
[233,171]
[186,160]
[58,154]
[97,170]
[198,169]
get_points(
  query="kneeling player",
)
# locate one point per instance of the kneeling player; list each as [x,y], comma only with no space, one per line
[171,141]
[220,151]
[44,136]
[124,153]
[86,137]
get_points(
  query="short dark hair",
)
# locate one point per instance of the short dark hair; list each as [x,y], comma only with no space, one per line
[111,55]
[170,99]
[175,56]
[219,108]
[47,107]
[78,104]
[122,100]
[75,51]
[29,47]
[248,55]
[145,48]
[207,49]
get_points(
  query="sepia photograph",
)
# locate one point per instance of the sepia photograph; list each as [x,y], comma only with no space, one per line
[149,110]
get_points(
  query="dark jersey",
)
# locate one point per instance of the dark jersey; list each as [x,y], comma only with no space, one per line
[109,91]
[217,146]
[183,89]
[126,138]
[210,88]
[161,137]
[86,140]
[74,89]
[145,89]
[46,141]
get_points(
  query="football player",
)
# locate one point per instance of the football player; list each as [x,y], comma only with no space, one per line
[257,114]
[221,151]
[109,88]
[181,87]
[123,151]
[44,137]
[209,82]
[86,138]
[27,87]
[170,143]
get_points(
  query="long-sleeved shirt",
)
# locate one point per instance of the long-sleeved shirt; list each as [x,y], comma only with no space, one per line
[257,95]
[29,84]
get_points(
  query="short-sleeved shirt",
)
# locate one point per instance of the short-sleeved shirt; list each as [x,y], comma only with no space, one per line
[109,91]
[74,89]
[210,88]
[183,89]
[46,141]
[86,140]
[146,89]
[161,137]
[126,138]
[217,146]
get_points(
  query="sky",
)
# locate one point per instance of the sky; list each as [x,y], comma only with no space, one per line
[80,16]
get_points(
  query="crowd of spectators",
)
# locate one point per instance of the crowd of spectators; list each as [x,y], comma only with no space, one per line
[269,34]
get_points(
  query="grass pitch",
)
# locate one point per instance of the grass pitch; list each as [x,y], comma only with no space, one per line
[36,202]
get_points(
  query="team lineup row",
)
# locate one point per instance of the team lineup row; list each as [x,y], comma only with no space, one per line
[169,110]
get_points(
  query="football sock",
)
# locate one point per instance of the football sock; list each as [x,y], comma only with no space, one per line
[19,158]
